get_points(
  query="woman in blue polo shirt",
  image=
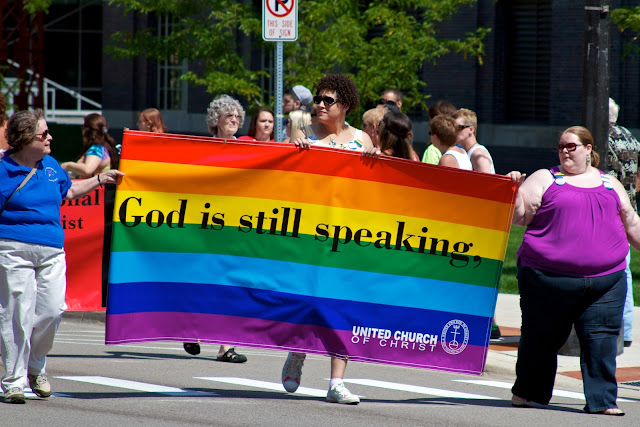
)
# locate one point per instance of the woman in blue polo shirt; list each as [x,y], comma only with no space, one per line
[32,261]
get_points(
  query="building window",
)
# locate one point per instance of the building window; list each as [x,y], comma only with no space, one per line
[172,91]
[529,58]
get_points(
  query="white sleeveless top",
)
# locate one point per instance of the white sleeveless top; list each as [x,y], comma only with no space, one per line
[493,169]
[461,158]
[356,144]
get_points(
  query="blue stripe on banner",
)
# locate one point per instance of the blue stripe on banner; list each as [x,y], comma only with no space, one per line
[278,306]
[303,279]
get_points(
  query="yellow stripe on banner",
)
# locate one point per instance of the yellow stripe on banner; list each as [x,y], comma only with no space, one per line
[308,188]
[148,207]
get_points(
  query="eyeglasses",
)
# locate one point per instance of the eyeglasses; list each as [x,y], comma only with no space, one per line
[571,146]
[385,102]
[237,116]
[326,99]
[460,127]
[44,135]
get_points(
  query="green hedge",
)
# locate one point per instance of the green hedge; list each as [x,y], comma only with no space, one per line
[509,283]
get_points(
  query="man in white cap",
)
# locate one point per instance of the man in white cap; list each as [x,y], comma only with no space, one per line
[296,98]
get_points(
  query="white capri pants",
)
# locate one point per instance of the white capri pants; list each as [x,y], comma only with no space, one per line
[32,294]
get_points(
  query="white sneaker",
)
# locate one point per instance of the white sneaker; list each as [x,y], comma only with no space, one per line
[14,395]
[340,394]
[292,371]
[40,385]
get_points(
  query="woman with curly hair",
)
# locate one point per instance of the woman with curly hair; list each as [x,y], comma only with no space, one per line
[336,96]
[99,152]
[225,116]
[150,120]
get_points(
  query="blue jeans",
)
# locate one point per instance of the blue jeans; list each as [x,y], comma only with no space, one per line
[550,305]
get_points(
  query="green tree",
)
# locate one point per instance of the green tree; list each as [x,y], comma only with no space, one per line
[380,44]
[628,18]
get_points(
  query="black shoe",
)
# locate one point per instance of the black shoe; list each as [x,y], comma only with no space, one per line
[627,343]
[495,332]
[192,348]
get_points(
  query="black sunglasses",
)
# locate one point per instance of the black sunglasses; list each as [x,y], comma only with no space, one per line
[460,127]
[326,99]
[385,102]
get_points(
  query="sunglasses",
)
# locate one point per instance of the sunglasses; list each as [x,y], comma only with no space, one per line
[460,127]
[326,99]
[385,102]
[571,146]
[43,135]
[230,116]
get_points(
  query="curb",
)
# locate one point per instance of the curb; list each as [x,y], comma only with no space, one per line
[87,317]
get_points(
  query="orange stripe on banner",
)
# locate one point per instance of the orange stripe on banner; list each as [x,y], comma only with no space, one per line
[309,188]
[167,148]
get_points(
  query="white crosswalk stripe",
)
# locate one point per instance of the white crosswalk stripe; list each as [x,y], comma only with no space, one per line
[418,389]
[302,391]
[137,386]
[556,393]
[31,395]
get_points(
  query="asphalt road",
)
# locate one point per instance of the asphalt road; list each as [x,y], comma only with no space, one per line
[158,384]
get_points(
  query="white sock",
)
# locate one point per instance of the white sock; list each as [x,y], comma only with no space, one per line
[335,381]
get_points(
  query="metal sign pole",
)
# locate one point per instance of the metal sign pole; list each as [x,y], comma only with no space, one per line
[279,90]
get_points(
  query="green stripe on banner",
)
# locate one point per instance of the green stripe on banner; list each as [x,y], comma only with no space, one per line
[305,249]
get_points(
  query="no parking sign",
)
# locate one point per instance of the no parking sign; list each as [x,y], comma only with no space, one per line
[280,20]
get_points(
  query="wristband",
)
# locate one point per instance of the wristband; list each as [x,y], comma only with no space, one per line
[99,183]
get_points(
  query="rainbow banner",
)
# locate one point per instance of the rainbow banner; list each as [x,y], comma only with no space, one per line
[319,250]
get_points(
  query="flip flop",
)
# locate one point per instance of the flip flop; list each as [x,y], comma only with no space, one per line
[519,402]
[232,357]
[616,412]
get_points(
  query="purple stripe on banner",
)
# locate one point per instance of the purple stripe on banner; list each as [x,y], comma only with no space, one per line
[454,356]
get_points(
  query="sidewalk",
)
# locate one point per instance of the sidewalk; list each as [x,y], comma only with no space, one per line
[503,353]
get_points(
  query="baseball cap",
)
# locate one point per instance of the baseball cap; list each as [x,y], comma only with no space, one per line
[304,96]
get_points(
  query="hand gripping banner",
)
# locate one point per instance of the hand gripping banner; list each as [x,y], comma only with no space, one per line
[318,250]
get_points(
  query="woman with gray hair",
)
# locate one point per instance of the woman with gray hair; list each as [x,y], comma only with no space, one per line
[225,116]
[32,261]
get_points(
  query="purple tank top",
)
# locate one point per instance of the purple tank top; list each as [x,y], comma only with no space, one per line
[576,232]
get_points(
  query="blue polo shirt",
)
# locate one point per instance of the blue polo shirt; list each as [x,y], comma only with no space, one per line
[33,213]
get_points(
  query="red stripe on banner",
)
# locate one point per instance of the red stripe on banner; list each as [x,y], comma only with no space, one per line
[83,223]
[186,149]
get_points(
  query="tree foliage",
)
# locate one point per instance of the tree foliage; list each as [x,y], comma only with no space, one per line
[380,44]
[628,18]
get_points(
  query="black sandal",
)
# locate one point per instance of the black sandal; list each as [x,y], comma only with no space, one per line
[192,348]
[232,357]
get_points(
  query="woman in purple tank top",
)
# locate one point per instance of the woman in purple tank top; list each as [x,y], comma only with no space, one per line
[571,272]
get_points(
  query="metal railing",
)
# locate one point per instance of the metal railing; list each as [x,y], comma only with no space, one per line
[53,94]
